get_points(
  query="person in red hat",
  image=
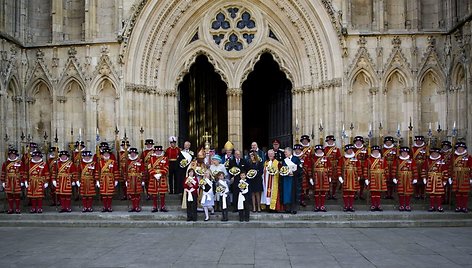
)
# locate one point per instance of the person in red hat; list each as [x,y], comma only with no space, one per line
[461,176]
[64,176]
[349,173]
[12,180]
[375,174]
[133,176]
[405,177]
[419,155]
[107,176]
[322,175]
[334,155]
[389,153]
[361,154]
[436,178]
[86,182]
[36,181]
[158,170]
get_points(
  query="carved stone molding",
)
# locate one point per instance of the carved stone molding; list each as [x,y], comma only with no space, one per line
[374,90]
[61,99]
[234,92]
[30,100]
[17,99]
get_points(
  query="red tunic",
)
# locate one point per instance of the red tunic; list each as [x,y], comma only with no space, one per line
[406,173]
[12,176]
[38,174]
[306,158]
[390,155]
[172,153]
[123,155]
[461,172]
[419,156]
[134,175]
[321,173]
[436,175]
[87,178]
[361,154]
[107,173]
[376,171]
[77,157]
[64,173]
[351,170]
[334,155]
[146,157]
[158,165]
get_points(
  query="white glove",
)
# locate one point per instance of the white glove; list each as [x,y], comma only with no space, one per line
[46,185]
[54,182]
[329,179]
[367,182]
[116,183]
[395,181]
[450,181]
[73,183]
[470,181]
[444,183]
[98,184]
[424,181]
[143,184]
[312,182]
[3,184]
[78,184]
[26,184]
[341,179]
[22,184]
[415,181]
[157,176]
[126,183]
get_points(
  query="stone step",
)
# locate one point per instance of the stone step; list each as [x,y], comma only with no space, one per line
[178,218]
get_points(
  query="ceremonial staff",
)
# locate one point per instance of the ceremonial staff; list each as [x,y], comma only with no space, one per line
[6,158]
[399,136]
[78,162]
[454,135]
[118,160]
[430,137]
[343,136]
[410,134]
[28,160]
[56,164]
[125,172]
[370,135]
[380,133]
[141,131]
[71,149]
[321,131]
[22,137]
[97,153]
[45,148]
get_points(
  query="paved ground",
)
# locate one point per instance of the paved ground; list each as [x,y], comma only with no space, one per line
[239,247]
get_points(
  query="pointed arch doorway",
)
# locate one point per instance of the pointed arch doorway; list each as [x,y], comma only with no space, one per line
[203,105]
[267,105]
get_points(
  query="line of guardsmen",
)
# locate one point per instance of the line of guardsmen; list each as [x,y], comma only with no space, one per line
[411,171]
[63,173]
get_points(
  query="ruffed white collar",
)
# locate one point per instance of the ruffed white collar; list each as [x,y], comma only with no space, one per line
[349,155]
[297,155]
[362,146]
[38,161]
[463,153]
[319,155]
[327,145]
[432,158]
[12,160]
[404,158]
[388,147]
[378,156]
[419,146]
[133,158]
[306,145]
[85,161]
[63,161]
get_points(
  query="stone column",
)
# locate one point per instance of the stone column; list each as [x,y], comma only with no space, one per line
[235,116]
[57,23]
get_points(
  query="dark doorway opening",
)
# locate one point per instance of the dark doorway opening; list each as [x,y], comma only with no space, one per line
[267,105]
[203,106]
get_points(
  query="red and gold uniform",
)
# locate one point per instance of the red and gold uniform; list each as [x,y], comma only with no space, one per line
[158,169]
[419,153]
[361,154]
[389,154]
[334,155]
[322,174]
[376,173]
[461,174]
[36,180]
[447,154]
[123,157]
[64,174]
[51,159]
[146,157]
[87,181]
[172,153]
[406,174]
[107,175]
[134,179]
[349,172]
[12,178]
[305,158]
[436,178]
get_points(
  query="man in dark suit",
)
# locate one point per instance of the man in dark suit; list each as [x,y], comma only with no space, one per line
[239,162]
